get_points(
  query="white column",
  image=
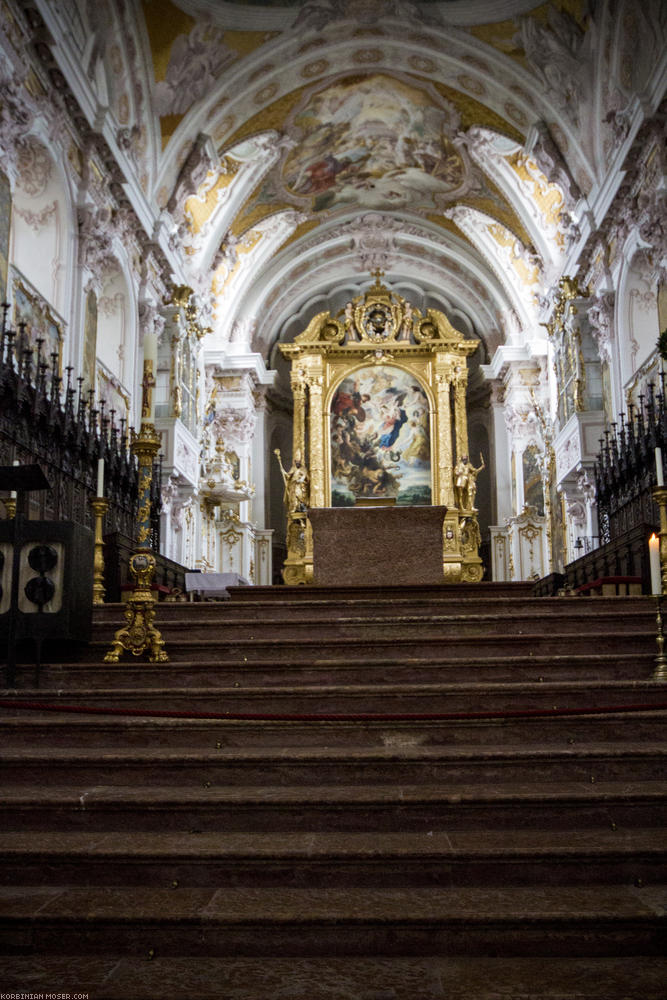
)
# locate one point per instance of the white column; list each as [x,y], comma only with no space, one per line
[503,461]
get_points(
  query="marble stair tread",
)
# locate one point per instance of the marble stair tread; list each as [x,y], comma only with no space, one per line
[601,751]
[330,676]
[576,662]
[337,846]
[389,705]
[643,688]
[304,905]
[347,977]
[33,729]
[428,624]
[187,638]
[183,798]
[377,600]
[517,590]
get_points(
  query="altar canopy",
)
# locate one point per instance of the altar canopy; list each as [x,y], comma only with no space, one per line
[380,416]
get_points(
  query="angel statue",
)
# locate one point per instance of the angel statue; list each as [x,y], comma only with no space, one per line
[465,482]
[297,491]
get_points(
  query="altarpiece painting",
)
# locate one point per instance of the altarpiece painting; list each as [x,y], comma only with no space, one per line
[380,418]
[380,438]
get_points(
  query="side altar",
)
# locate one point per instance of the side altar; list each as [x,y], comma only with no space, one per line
[380,420]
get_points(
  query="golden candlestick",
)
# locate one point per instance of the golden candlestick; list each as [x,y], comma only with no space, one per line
[10,507]
[660,497]
[139,633]
[100,506]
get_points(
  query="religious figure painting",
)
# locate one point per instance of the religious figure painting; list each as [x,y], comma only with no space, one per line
[375,143]
[90,341]
[380,438]
[41,321]
[114,395]
[5,226]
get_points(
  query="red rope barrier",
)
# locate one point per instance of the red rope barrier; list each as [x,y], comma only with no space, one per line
[523,713]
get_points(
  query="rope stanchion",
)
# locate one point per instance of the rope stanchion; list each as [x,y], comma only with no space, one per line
[521,713]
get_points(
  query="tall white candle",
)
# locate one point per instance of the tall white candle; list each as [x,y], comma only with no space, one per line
[100,477]
[658,467]
[12,493]
[150,377]
[654,563]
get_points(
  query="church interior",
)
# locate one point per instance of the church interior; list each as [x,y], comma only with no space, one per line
[332,365]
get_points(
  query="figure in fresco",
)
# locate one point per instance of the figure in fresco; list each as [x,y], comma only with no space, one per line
[419,449]
[394,416]
[377,143]
[351,404]
[296,482]
[465,482]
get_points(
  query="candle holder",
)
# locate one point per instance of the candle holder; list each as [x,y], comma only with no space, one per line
[139,633]
[660,497]
[10,507]
[100,506]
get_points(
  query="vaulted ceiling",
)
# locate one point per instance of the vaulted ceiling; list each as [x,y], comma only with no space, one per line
[286,150]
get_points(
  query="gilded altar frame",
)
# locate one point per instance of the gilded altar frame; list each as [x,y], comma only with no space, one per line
[380,328]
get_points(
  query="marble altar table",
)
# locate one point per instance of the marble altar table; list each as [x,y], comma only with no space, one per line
[377,545]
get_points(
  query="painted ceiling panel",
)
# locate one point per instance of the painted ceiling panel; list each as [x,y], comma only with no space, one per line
[415,114]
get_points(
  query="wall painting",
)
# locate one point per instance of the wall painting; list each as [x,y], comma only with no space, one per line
[41,320]
[533,491]
[115,396]
[90,341]
[5,228]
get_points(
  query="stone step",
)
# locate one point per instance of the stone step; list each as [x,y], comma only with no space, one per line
[201,672]
[395,625]
[206,922]
[326,765]
[387,592]
[522,590]
[541,975]
[35,729]
[141,808]
[308,610]
[142,850]
[370,858]
[360,699]
[445,646]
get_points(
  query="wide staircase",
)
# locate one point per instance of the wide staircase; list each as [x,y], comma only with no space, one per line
[343,794]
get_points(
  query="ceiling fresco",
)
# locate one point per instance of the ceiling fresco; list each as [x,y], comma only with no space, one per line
[374,143]
[300,144]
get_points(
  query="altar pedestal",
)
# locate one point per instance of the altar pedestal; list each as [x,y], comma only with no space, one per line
[355,546]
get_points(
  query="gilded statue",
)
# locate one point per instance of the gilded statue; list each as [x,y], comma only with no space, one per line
[465,482]
[147,386]
[296,480]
